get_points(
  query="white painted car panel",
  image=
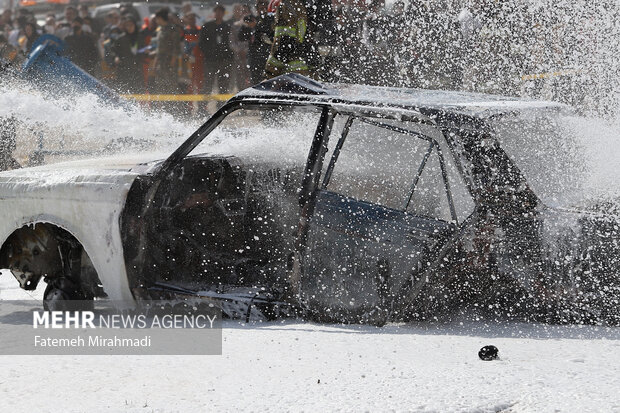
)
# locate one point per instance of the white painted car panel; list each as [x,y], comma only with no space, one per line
[85,198]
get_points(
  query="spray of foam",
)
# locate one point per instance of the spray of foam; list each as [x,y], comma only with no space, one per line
[83,122]
[600,142]
[83,125]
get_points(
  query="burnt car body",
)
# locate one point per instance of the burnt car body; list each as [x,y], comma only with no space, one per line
[394,204]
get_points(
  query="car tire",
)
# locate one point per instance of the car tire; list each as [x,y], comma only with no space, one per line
[61,295]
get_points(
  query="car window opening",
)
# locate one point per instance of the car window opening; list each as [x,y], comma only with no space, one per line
[390,186]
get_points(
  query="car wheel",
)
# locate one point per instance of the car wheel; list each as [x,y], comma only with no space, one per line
[61,295]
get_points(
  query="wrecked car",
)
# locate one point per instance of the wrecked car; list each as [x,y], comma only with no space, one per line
[335,202]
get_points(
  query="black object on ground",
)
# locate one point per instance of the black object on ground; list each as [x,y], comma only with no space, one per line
[488,353]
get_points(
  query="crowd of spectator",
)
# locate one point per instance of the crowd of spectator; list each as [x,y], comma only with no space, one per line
[480,45]
[165,53]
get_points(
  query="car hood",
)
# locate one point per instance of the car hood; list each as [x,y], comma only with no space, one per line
[120,162]
[111,171]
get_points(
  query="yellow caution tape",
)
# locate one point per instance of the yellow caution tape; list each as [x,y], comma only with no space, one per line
[551,74]
[178,98]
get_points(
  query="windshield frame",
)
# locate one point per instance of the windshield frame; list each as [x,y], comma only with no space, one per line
[322,134]
[213,122]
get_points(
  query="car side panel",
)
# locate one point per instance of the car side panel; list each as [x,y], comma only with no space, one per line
[86,205]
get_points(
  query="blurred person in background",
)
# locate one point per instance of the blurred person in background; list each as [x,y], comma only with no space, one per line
[242,15]
[108,39]
[31,34]
[149,25]
[177,22]
[89,22]
[149,30]
[81,48]
[193,59]
[9,55]
[187,8]
[24,16]
[50,24]
[166,53]
[147,33]
[84,13]
[128,8]
[214,42]
[6,21]
[112,20]
[259,34]
[65,27]
[18,31]
[127,60]
[289,48]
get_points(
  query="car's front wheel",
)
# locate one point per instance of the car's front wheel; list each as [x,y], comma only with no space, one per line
[63,295]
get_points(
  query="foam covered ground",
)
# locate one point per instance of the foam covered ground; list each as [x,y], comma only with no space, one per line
[297,366]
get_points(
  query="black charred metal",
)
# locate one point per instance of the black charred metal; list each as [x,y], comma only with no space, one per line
[188,228]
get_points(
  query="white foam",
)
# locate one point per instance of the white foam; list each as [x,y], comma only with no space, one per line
[83,123]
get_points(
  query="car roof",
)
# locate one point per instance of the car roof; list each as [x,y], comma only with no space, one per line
[433,103]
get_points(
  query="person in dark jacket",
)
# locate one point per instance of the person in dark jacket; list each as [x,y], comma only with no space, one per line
[127,59]
[168,45]
[214,42]
[259,31]
[6,21]
[31,34]
[112,21]
[81,48]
